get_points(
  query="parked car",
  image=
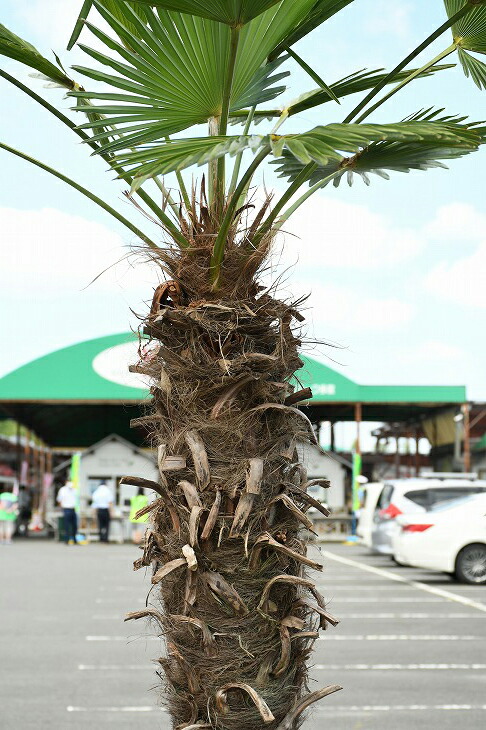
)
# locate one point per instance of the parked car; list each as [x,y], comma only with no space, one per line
[450,537]
[371,493]
[416,495]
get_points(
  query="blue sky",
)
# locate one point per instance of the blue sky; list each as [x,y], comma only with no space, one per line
[395,271]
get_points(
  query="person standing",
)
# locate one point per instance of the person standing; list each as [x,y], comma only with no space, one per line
[8,515]
[66,497]
[102,503]
[25,511]
[138,502]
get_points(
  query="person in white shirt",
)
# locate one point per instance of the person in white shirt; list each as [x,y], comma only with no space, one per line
[66,497]
[102,502]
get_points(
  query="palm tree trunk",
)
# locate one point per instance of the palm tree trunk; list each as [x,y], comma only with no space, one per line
[228,532]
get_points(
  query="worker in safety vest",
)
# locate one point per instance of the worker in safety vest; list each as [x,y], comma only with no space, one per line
[138,502]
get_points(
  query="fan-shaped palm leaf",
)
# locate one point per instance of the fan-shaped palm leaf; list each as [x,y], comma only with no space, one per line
[470,35]
[18,49]
[179,57]
[230,12]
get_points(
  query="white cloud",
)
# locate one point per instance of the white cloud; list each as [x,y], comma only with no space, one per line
[389,19]
[435,351]
[328,232]
[463,281]
[343,309]
[458,222]
[63,15]
[50,252]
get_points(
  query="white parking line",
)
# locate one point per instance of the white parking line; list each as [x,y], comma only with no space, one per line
[330,637]
[319,667]
[412,583]
[117,600]
[335,708]
[405,615]
[400,637]
[331,587]
[120,638]
[401,667]
[119,616]
[112,667]
[142,708]
[400,708]
[405,599]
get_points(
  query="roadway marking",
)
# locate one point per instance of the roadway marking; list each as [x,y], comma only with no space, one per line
[400,708]
[117,600]
[142,708]
[411,583]
[330,587]
[331,637]
[400,637]
[119,617]
[335,708]
[405,599]
[111,667]
[401,667]
[399,615]
[320,667]
[121,638]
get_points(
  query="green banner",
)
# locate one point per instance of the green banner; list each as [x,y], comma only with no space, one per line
[356,482]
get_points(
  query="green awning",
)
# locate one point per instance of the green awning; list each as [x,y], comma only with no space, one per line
[79,394]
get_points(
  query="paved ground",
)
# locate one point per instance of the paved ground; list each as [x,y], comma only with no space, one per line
[403,652]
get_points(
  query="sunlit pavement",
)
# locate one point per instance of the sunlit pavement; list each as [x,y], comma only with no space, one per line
[405,653]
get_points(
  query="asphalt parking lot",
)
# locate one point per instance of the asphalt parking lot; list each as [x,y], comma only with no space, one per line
[410,647]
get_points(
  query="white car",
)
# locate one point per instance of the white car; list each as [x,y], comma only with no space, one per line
[371,493]
[419,494]
[449,537]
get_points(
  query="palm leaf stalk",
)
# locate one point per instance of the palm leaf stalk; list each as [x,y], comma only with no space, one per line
[229,526]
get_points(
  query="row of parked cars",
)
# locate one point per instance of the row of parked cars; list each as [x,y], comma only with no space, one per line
[437,521]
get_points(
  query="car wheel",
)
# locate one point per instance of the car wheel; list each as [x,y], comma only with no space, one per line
[471,564]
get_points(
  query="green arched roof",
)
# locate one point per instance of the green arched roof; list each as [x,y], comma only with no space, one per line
[96,371]
[77,395]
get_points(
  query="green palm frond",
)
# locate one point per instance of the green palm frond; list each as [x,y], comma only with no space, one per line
[18,49]
[470,35]
[113,6]
[352,84]
[470,30]
[322,145]
[322,11]
[325,143]
[179,58]
[360,81]
[474,68]
[230,12]
[181,153]
[447,138]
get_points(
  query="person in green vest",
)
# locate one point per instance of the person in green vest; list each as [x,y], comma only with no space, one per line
[138,502]
[8,515]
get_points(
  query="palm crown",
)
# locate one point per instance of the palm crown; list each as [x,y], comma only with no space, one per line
[168,66]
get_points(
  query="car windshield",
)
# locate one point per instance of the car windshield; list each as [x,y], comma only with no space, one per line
[451,503]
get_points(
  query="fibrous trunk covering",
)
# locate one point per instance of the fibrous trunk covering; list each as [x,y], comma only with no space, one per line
[227,542]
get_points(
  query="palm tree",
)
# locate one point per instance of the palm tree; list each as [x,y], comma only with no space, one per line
[227,542]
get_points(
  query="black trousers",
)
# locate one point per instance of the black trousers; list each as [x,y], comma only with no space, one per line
[70,525]
[103,523]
